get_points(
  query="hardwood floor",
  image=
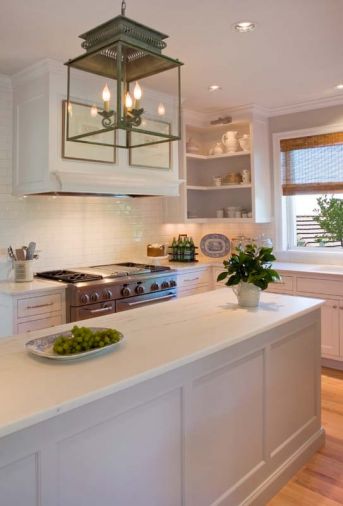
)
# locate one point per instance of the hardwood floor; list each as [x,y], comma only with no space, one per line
[320,481]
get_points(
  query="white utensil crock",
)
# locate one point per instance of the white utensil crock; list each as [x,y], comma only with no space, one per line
[23,271]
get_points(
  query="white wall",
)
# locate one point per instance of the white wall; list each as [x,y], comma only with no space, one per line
[76,231]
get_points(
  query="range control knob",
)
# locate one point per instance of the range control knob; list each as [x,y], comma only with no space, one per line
[84,298]
[107,294]
[139,289]
[95,297]
[154,287]
[126,291]
[165,285]
[173,283]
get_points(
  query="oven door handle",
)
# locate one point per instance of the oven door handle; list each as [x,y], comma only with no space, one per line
[100,310]
[147,301]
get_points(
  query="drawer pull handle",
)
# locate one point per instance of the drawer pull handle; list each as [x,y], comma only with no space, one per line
[100,310]
[40,305]
[335,307]
[192,279]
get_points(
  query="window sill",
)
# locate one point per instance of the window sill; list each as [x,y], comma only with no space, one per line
[313,255]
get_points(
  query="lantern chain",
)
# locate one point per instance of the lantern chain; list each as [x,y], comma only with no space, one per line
[123,7]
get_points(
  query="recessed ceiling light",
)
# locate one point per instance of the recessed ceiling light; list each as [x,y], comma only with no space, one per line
[339,86]
[214,87]
[244,26]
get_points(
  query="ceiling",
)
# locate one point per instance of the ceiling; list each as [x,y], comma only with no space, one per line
[293,56]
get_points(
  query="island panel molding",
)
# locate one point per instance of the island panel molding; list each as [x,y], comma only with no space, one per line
[200,429]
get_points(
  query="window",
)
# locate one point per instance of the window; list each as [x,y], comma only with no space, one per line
[311,191]
[306,232]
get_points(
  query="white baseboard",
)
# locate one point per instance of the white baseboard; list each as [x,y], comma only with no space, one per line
[332,364]
[285,472]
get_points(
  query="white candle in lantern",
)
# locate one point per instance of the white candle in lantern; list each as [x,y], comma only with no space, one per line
[106,95]
[128,102]
[137,93]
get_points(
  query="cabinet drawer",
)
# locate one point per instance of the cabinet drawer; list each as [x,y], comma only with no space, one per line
[39,305]
[285,286]
[42,323]
[194,278]
[193,291]
[319,286]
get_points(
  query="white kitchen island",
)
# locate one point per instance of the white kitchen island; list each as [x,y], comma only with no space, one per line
[203,404]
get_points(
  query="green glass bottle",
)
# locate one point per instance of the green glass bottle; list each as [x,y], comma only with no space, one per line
[192,249]
[174,249]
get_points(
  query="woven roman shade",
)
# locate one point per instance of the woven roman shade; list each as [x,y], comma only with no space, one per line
[312,164]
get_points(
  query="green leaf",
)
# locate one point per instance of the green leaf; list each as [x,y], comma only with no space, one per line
[222,276]
[233,280]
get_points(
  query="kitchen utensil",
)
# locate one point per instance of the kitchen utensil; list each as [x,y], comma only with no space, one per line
[20,254]
[11,253]
[30,250]
[244,142]
[229,139]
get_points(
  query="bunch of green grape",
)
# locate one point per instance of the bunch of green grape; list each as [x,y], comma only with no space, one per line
[84,339]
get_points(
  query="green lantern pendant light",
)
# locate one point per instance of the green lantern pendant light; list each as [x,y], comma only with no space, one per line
[116,92]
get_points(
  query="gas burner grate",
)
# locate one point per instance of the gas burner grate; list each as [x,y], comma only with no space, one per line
[68,276]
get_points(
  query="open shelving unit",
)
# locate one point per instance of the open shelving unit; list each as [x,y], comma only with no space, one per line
[199,197]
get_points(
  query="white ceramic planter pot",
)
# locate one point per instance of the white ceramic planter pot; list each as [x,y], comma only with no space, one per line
[248,295]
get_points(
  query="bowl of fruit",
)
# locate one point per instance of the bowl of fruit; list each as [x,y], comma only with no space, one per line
[79,342]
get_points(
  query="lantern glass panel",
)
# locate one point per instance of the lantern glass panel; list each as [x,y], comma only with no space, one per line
[135,95]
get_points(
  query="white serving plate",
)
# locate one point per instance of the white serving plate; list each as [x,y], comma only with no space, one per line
[215,245]
[43,347]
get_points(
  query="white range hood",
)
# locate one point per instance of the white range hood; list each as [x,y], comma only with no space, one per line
[39,167]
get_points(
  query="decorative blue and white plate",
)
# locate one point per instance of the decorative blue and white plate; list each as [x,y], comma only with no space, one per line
[215,245]
[43,347]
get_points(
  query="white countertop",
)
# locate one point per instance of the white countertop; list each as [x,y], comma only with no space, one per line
[332,270]
[37,285]
[158,338]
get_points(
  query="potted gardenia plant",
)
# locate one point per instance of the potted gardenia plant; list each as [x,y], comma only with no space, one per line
[249,270]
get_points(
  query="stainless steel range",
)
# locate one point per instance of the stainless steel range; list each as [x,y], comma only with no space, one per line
[104,289]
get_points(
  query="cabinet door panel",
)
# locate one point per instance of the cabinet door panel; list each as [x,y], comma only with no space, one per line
[193,291]
[42,323]
[194,278]
[39,305]
[330,328]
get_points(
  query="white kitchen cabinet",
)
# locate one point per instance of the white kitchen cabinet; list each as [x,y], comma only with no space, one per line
[22,313]
[38,94]
[328,289]
[331,329]
[194,281]
[199,198]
